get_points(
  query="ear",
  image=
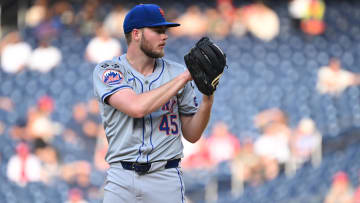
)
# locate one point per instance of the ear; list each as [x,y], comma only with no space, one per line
[136,34]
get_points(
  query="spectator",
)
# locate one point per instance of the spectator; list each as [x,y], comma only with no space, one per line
[75,196]
[63,14]
[39,123]
[305,143]
[18,130]
[298,10]
[93,107]
[340,190]
[113,23]
[49,160]
[313,23]
[273,145]
[217,26]
[238,27]
[223,144]
[87,18]
[246,168]
[261,21]
[24,167]
[45,57]
[77,174]
[102,47]
[333,80]
[266,117]
[196,156]
[193,23]
[15,53]
[36,13]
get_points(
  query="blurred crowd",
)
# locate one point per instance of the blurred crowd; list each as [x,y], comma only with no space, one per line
[277,148]
[103,24]
[47,151]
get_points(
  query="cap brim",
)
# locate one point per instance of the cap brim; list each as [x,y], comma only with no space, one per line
[167,24]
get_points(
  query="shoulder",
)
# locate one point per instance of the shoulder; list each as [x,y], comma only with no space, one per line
[108,65]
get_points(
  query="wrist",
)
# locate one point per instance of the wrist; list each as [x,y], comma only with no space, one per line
[208,100]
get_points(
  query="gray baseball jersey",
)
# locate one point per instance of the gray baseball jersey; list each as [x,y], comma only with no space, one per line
[155,137]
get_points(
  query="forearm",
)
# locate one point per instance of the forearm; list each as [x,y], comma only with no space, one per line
[139,105]
[153,100]
[194,126]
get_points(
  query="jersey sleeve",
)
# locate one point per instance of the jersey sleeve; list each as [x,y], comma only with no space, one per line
[108,78]
[188,104]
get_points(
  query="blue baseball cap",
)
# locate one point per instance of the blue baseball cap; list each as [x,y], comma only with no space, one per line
[145,15]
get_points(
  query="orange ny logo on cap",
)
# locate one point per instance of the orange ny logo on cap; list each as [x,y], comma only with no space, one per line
[162,12]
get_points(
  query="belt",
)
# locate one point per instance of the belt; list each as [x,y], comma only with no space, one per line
[142,168]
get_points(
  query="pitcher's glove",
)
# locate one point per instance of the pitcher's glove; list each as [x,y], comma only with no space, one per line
[206,63]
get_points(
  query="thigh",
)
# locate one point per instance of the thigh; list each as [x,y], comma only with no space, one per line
[163,186]
[114,197]
[119,186]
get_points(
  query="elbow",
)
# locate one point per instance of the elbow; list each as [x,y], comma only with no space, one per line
[192,140]
[136,111]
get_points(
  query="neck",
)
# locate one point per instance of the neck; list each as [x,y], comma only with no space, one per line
[140,62]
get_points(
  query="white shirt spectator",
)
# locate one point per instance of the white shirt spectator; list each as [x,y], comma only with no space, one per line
[24,167]
[262,21]
[45,58]
[274,143]
[15,56]
[99,50]
[333,82]
[333,79]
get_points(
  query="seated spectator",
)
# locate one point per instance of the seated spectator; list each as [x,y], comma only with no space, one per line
[298,10]
[333,80]
[246,168]
[39,123]
[305,143]
[268,116]
[273,145]
[193,23]
[93,107]
[45,57]
[217,26]
[77,174]
[102,47]
[340,190]
[18,130]
[63,14]
[15,53]
[238,27]
[261,21]
[223,144]
[312,23]
[87,19]
[36,13]
[75,196]
[24,167]
[221,19]
[196,156]
[113,22]
[49,160]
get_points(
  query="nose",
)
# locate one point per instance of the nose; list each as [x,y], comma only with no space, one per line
[164,36]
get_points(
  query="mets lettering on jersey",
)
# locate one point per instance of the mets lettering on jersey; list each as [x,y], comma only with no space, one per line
[112,77]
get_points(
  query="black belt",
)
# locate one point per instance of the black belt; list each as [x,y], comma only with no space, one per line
[142,168]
